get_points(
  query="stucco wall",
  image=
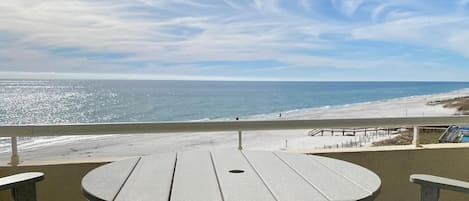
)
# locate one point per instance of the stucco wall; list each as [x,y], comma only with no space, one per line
[62,182]
[393,165]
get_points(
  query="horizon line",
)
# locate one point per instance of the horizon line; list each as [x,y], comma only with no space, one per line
[153,77]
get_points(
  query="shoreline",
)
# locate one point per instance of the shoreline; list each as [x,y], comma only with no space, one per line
[299,113]
[409,109]
[134,145]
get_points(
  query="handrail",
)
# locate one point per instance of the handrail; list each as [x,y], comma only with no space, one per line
[213,126]
[14,131]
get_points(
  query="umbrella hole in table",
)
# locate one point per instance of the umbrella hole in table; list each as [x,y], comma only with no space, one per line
[236,171]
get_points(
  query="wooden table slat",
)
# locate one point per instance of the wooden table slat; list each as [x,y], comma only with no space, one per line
[331,184]
[195,179]
[103,183]
[357,174]
[243,186]
[230,175]
[150,180]
[284,182]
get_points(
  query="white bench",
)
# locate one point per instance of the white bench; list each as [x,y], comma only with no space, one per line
[23,185]
[431,185]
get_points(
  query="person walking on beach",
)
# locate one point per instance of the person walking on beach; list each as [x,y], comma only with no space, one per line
[279,115]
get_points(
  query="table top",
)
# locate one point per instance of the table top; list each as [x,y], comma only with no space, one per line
[230,175]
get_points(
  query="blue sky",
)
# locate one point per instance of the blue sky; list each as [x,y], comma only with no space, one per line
[380,40]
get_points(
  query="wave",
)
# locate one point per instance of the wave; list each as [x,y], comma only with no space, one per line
[200,120]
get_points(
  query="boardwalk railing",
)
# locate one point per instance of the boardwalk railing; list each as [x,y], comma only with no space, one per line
[14,131]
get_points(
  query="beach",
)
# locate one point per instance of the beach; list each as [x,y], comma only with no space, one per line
[280,140]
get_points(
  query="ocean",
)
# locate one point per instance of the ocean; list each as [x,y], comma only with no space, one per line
[102,101]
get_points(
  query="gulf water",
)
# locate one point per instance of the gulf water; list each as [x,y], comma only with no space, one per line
[101,101]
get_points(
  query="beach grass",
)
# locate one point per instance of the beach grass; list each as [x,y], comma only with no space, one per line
[405,137]
[461,104]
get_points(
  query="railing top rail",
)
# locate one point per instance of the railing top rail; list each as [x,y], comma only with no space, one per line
[212,126]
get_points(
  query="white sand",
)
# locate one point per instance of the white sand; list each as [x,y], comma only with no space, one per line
[133,145]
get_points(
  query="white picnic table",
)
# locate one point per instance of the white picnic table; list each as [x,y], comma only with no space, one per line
[230,175]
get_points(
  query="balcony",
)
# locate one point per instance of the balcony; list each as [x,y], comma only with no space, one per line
[393,164]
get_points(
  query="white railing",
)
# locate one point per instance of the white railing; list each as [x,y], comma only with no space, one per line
[14,131]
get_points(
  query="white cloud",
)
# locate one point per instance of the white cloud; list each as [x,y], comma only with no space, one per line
[458,41]
[99,27]
[397,14]
[268,6]
[233,4]
[84,25]
[306,4]
[422,30]
[33,60]
[181,32]
[348,7]
[378,10]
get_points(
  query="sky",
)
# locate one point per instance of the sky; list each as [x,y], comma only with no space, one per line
[314,40]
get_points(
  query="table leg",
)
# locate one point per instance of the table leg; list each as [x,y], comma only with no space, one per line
[24,193]
[368,199]
[429,193]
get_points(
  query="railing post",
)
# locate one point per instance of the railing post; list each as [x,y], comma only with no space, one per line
[416,139]
[240,140]
[15,159]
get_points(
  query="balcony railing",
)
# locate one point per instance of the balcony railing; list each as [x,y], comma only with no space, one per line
[15,131]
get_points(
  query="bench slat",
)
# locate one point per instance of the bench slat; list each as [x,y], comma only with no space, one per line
[360,176]
[150,180]
[195,179]
[20,179]
[105,182]
[285,183]
[333,185]
[440,182]
[243,186]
